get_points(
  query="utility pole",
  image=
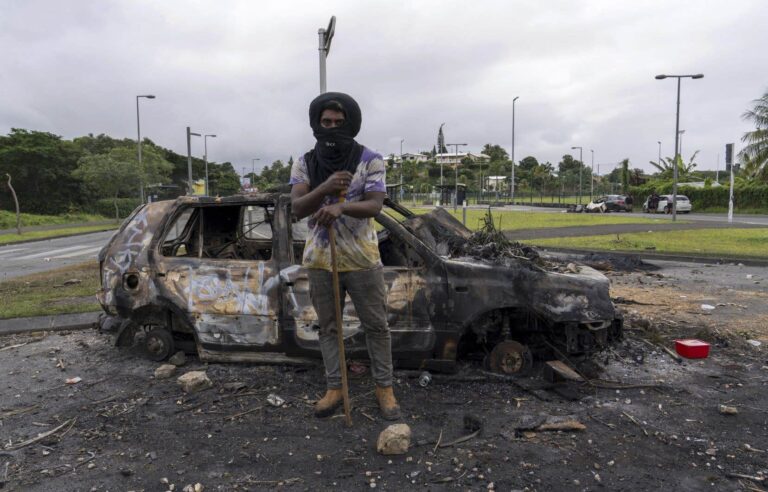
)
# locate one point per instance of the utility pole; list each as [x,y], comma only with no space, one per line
[592,177]
[189,159]
[401,168]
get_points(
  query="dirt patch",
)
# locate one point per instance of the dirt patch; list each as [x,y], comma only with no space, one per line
[651,423]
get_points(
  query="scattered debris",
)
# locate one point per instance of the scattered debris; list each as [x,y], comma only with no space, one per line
[165,371]
[707,307]
[72,281]
[395,439]
[178,359]
[194,381]
[567,423]
[752,449]
[234,386]
[424,379]
[356,368]
[41,436]
[472,424]
[275,400]
[728,410]
[73,380]
[754,343]
[556,370]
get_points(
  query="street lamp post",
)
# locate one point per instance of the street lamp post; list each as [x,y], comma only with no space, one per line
[401,168]
[581,166]
[456,175]
[189,158]
[138,142]
[512,155]
[439,150]
[681,133]
[659,161]
[205,156]
[592,177]
[253,170]
[677,135]
[325,37]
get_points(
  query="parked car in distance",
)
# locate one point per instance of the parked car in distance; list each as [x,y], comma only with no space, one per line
[610,203]
[664,205]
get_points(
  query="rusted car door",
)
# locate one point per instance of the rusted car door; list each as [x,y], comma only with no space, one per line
[407,306]
[222,275]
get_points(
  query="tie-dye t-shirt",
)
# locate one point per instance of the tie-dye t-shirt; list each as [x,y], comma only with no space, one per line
[357,246]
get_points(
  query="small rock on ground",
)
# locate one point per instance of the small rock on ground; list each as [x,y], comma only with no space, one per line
[395,439]
[165,371]
[178,359]
[194,381]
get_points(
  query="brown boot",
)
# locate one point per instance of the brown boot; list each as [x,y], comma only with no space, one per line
[327,405]
[390,410]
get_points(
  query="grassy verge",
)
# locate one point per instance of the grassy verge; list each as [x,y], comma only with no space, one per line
[510,220]
[8,219]
[51,233]
[45,293]
[746,243]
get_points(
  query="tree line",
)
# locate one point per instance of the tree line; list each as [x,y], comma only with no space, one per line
[96,174]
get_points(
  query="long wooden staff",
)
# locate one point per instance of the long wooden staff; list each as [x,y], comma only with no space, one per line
[339,324]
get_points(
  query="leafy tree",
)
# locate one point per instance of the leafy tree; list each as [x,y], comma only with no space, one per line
[108,175]
[223,179]
[495,152]
[41,164]
[528,163]
[625,175]
[684,170]
[754,156]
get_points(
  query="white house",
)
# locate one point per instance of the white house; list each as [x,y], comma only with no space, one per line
[412,157]
[451,158]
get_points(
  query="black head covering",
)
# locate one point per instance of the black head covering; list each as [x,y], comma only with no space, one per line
[336,148]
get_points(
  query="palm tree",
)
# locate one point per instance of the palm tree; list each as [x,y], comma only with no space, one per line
[754,155]
[666,166]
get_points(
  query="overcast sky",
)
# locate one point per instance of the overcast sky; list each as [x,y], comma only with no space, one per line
[246,71]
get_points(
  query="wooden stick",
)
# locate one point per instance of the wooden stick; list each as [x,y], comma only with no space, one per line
[339,326]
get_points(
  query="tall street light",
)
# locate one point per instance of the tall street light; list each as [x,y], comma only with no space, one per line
[439,150]
[681,133]
[592,177]
[401,168]
[512,155]
[677,135]
[325,36]
[205,143]
[189,158]
[581,166]
[456,175]
[138,141]
[659,161]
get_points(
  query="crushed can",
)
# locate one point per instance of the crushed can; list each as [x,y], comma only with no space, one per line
[424,379]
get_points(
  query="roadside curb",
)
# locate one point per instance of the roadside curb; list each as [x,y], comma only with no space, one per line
[711,260]
[56,322]
[38,239]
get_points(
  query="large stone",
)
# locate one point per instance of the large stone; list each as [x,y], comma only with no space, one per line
[178,359]
[395,439]
[165,371]
[194,381]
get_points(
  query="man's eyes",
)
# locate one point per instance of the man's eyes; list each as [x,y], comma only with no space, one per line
[329,122]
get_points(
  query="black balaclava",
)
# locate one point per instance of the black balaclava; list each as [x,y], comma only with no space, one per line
[336,149]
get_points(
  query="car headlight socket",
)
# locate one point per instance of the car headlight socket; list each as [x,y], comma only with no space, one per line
[131,281]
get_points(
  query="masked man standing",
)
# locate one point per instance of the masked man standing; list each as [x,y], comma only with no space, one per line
[339,166]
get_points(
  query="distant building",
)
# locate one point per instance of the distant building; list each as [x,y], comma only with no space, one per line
[451,158]
[496,183]
[412,157]
[699,184]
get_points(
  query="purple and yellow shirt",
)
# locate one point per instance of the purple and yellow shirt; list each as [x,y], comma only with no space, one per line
[356,242]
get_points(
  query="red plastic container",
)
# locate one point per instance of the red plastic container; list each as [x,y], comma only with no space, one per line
[691,348]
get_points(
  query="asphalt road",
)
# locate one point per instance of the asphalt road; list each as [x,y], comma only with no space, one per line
[39,256]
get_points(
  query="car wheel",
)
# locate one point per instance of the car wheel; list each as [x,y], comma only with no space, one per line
[158,344]
[510,357]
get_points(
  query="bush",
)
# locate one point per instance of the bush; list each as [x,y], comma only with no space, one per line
[125,206]
[750,196]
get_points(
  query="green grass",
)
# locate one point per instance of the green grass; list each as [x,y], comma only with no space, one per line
[51,233]
[8,219]
[511,220]
[45,293]
[747,243]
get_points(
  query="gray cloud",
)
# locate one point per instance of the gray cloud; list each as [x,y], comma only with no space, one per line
[247,70]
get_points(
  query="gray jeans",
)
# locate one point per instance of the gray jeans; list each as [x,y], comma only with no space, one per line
[369,296]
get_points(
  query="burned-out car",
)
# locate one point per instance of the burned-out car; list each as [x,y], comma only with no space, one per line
[222,277]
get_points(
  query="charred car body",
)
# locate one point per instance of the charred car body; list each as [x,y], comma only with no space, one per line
[223,277]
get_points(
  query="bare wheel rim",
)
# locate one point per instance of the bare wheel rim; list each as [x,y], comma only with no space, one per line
[510,357]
